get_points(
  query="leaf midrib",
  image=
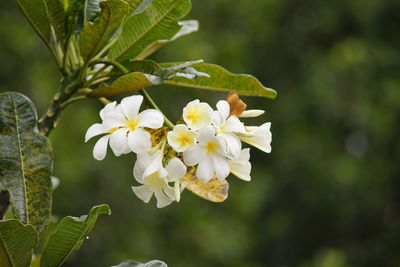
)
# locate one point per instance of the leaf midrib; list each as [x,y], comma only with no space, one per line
[20,157]
[152,26]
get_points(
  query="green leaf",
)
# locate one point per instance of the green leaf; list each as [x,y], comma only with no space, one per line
[131,82]
[57,18]
[188,27]
[130,263]
[159,21]
[26,161]
[95,36]
[36,13]
[16,243]
[69,236]
[43,13]
[222,80]
[138,5]
[145,74]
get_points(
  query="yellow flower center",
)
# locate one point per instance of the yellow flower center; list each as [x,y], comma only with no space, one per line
[211,147]
[132,124]
[192,115]
[184,139]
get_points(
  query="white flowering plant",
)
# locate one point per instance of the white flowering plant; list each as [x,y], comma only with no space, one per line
[100,48]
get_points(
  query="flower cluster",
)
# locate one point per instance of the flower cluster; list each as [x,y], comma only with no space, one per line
[208,141]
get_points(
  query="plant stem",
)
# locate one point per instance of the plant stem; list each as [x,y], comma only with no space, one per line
[150,101]
[50,119]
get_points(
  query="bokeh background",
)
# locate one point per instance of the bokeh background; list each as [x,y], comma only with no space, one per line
[329,193]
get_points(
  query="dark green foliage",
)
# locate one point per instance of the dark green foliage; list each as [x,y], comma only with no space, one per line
[26,161]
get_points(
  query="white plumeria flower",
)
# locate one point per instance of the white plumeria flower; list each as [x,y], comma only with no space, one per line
[100,148]
[241,167]
[181,138]
[210,154]
[251,113]
[258,136]
[197,114]
[227,126]
[149,171]
[130,124]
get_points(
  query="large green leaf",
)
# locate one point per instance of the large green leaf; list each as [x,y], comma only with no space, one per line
[26,161]
[16,243]
[36,13]
[95,36]
[188,27]
[159,21]
[43,13]
[153,263]
[69,236]
[222,80]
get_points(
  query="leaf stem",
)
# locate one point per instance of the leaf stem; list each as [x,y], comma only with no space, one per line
[151,102]
[72,100]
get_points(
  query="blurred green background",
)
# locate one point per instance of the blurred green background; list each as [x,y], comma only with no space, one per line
[329,193]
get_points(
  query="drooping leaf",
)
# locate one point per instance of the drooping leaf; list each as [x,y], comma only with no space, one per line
[69,236]
[36,13]
[26,161]
[215,190]
[222,80]
[131,82]
[159,21]
[145,74]
[188,27]
[16,243]
[96,35]
[153,68]
[131,263]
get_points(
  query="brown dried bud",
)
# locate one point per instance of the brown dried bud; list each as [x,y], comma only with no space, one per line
[236,104]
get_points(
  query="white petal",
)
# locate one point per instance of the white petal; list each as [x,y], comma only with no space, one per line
[100,148]
[233,124]
[205,169]
[151,118]
[180,129]
[241,170]
[110,107]
[259,137]
[177,191]
[130,105]
[221,166]
[139,141]
[170,192]
[194,155]
[154,165]
[162,199]
[138,169]
[205,134]
[118,141]
[176,169]
[143,193]
[244,155]
[251,113]
[223,108]
[94,130]
[233,144]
